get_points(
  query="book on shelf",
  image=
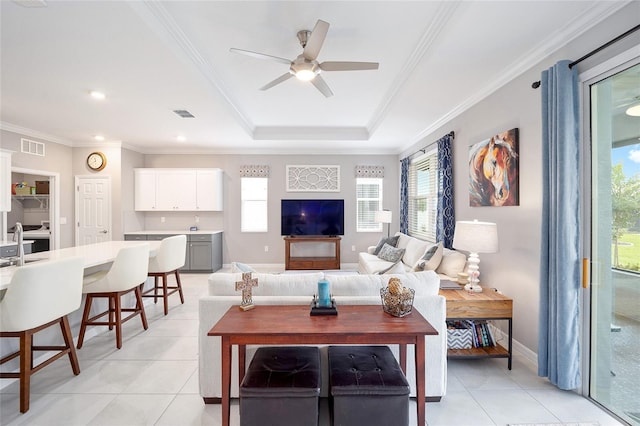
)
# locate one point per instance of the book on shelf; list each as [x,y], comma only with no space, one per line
[482,335]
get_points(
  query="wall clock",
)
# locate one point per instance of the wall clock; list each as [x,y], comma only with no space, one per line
[96,161]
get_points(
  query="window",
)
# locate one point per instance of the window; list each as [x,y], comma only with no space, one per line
[423,196]
[368,201]
[254,204]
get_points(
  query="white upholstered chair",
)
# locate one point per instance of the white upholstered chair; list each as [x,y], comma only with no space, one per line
[170,257]
[128,271]
[40,295]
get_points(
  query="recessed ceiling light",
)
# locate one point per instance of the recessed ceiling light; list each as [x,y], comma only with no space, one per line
[181,138]
[99,137]
[97,95]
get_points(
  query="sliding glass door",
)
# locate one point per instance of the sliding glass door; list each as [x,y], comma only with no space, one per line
[614,185]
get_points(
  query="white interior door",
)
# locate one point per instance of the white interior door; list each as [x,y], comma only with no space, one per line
[93,210]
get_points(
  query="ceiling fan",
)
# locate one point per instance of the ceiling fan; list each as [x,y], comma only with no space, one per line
[305,67]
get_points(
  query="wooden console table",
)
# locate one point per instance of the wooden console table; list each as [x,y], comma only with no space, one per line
[318,262]
[292,325]
[488,305]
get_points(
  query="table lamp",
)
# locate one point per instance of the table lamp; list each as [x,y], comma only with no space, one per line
[383,216]
[475,237]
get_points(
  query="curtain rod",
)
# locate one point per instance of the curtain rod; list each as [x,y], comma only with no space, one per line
[536,84]
[424,149]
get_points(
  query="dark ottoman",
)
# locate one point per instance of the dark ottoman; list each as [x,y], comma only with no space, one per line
[281,387]
[367,387]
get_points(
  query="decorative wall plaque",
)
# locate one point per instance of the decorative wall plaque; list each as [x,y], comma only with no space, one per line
[313,178]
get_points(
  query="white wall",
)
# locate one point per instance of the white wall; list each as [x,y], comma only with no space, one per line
[515,270]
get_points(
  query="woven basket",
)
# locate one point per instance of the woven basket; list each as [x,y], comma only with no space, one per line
[398,305]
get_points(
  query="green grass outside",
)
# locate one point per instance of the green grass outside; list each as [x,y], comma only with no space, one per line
[629,255]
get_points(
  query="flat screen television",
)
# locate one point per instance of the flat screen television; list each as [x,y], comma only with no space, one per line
[312,217]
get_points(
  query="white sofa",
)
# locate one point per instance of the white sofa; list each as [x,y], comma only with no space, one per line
[297,289]
[445,262]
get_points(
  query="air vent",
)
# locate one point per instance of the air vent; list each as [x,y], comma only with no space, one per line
[32,147]
[183,113]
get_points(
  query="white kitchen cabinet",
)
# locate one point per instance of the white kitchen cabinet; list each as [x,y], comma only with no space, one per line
[209,189]
[5,180]
[178,189]
[145,190]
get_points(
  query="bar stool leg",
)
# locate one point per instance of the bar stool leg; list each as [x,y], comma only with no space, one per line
[68,341]
[118,319]
[140,307]
[179,286]
[85,318]
[26,340]
[165,294]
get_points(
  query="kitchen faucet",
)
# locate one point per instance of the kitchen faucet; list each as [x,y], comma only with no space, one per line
[17,235]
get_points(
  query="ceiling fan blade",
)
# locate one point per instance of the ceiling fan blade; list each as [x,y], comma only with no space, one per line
[322,86]
[314,44]
[348,66]
[261,55]
[283,77]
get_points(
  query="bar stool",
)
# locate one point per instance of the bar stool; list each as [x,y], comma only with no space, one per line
[40,295]
[128,270]
[171,257]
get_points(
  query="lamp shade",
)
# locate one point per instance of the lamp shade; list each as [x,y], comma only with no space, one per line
[476,237]
[382,216]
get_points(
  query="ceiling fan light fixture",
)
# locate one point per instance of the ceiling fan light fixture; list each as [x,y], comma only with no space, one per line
[305,75]
[634,111]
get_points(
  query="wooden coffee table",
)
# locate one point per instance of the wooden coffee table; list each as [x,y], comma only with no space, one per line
[292,325]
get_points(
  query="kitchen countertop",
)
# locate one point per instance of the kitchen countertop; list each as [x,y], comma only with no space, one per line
[38,233]
[171,232]
[9,243]
[93,254]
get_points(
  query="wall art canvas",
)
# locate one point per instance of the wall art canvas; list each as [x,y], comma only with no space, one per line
[313,178]
[494,171]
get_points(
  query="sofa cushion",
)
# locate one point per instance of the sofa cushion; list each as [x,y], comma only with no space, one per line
[391,254]
[392,241]
[414,251]
[241,267]
[424,283]
[223,284]
[452,262]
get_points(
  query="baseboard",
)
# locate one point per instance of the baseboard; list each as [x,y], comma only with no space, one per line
[517,347]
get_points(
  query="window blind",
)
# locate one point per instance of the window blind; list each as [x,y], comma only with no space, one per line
[423,196]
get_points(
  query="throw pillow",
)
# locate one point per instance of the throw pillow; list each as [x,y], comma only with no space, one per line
[241,267]
[431,258]
[390,254]
[452,263]
[392,241]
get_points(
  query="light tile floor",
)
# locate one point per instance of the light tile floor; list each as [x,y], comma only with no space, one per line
[153,380]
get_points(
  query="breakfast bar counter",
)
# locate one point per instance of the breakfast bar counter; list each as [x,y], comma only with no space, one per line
[94,255]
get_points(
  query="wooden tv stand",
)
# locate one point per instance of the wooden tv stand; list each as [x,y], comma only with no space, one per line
[298,263]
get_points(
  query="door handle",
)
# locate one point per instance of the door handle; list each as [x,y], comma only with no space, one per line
[104,231]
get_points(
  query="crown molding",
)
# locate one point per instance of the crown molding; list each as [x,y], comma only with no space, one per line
[25,131]
[162,22]
[429,37]
[528,60]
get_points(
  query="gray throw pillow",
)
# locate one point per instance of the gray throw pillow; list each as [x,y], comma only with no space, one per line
[390,254]
[419,266]
[392,241]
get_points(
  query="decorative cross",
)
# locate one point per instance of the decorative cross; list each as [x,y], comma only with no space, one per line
[245,285]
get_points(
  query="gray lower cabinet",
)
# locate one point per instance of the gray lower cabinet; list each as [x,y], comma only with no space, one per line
[12,251]
[204,251]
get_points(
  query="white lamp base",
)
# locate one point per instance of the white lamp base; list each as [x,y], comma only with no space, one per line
[473,270]
[474,288]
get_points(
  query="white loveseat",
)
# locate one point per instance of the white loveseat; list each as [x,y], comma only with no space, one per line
[297,289]
[445,262]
